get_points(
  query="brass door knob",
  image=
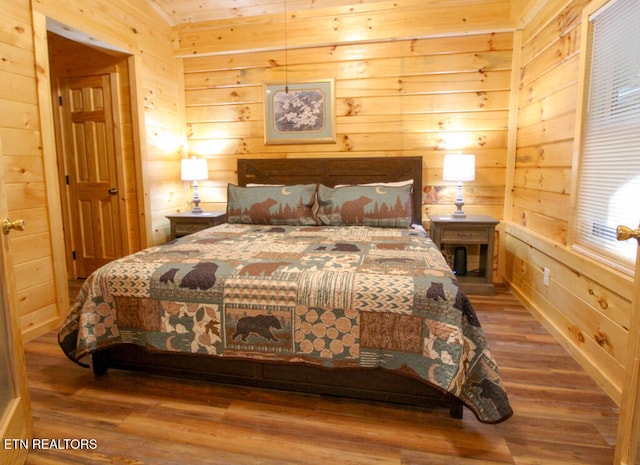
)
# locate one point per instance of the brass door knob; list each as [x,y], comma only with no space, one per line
[623,233]
[8,225]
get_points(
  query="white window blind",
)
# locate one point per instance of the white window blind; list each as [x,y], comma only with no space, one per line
[609,185]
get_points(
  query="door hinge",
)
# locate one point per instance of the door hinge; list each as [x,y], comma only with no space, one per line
[66,179]
[60,100]
[73,255]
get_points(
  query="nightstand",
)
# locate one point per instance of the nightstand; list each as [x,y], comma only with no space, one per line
[456,237]
[185,223]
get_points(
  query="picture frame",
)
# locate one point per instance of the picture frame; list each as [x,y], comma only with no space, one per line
[300,113]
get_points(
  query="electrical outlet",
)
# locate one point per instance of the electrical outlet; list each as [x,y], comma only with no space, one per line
[547,274]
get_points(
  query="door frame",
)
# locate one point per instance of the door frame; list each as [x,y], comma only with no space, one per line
[51,171]
[50,168]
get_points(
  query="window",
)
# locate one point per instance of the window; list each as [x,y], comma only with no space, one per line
[609,183]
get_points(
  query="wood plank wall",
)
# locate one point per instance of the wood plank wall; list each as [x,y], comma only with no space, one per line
[133,27]
[20,150]
[424,95]
[586,305]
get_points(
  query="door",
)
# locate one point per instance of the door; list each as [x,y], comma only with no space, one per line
[15,417]
[627,444]
[91,173]
[15,411]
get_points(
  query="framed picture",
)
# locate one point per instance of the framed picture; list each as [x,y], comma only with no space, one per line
[301,113]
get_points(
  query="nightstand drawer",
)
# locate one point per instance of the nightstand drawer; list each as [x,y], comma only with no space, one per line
[465,235]
[184,229]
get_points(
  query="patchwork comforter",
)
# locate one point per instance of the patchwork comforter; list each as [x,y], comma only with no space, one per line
[331,296]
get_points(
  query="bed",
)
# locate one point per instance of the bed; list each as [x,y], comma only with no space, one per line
[322,281]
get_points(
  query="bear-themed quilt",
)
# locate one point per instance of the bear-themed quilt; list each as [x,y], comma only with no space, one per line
[340,296]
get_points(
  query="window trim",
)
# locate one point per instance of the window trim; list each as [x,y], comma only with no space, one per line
[590,11]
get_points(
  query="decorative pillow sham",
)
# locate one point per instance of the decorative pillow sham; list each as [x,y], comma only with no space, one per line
[290,205]
[376,205]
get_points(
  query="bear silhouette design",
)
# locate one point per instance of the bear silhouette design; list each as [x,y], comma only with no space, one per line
[353,210]
[345,247]
[202,276]
[259,324]
[259,212]
[261,268]
[169,276]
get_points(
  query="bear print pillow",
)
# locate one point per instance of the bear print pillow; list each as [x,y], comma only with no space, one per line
[376,205]
[290,205]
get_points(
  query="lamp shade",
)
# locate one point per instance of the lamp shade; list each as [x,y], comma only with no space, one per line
[194,169]
[459,167]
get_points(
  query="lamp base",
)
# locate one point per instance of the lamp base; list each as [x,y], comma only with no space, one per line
[459,203]
[196,199]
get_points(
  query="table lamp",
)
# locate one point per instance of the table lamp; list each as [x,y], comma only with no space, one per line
[194,169]
[459,168]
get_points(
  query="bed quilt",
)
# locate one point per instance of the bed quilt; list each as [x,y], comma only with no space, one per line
[351,296]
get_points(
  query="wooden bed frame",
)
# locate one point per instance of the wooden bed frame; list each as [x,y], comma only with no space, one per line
[365,384]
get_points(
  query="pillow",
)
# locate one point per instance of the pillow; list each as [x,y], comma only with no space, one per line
[271,204]
[377,205]
[392,183]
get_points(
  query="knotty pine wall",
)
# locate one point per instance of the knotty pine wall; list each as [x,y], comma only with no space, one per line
[586,305]
[136,29]
[27,143]
[36,295]
[407,97]
[394,97]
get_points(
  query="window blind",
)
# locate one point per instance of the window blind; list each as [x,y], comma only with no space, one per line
[609,184]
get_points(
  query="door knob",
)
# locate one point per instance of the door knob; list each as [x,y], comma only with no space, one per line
[8,225]
[113,191]
[623,233]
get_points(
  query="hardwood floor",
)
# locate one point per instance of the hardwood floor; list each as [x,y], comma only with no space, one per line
[561,416]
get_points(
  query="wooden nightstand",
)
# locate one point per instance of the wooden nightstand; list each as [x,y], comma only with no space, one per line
[183,224]
[472,232]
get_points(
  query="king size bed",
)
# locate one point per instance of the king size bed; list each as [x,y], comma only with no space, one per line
[319,282]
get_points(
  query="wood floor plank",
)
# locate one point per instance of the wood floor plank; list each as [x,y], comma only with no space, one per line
[561,416]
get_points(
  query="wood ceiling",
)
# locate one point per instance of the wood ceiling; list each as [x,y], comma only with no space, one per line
[178,12]
[193,11]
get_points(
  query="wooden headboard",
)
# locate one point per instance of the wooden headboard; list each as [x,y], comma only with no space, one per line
[334,171]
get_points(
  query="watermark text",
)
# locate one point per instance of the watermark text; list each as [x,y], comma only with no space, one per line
[50,443]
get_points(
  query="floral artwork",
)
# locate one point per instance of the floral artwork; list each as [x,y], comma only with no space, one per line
[298,110]
[299,113]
